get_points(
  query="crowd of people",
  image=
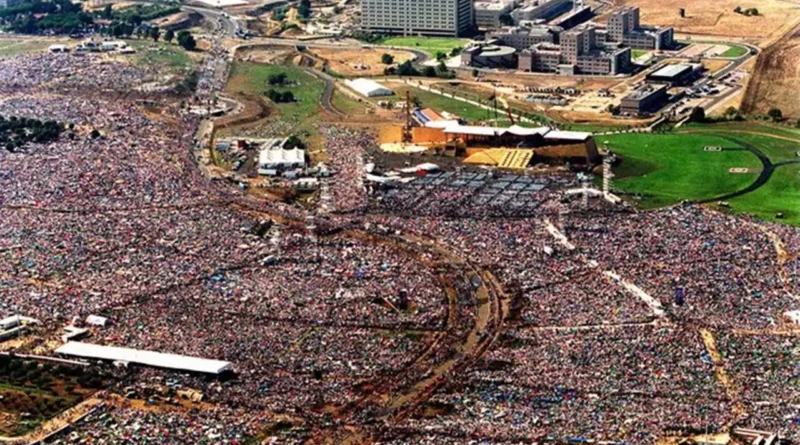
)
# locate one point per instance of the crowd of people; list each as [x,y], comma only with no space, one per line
[116,219]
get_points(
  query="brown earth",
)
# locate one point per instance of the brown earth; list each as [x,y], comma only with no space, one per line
[774,82]
[362,62]
[716,17]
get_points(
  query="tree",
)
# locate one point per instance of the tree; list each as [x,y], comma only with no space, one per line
[304,9]
[169,35]
[429,71]
[277,79]
[737,9]
[698,114]
[155,33]
[440,56]
[407,69]
[775,114]
[387,59]
[730,113]
[456,51]
[475,72]
[186,41]
[293,142]
[107,12]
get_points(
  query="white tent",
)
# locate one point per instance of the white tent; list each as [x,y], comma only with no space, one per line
[368,88]
[279,158]
[147,358]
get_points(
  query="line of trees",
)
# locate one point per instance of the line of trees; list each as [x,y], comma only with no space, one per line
[748,12]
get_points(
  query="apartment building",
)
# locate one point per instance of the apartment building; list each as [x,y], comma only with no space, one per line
[449,18]
[646,99]
[624,27]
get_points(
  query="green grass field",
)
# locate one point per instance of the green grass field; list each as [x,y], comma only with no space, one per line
[780,194]
[636,53]
[666,169]
[251,79]
[735,51]
[169,57]
[430,45]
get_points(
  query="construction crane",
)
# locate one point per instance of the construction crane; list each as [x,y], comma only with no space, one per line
[510,116]
[407,137]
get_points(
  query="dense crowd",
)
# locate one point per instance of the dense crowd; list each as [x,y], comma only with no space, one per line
[115,218]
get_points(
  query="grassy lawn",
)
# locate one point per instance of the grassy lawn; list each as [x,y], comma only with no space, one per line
[348,105]
[666,169]
[636,53]
[780,194]
[170,57]
[14,47]
[438,102]
[735,51]
[747,127]
[430,45]
[251,79]
[777,150]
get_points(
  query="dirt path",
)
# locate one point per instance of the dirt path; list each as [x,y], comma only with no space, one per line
[68,417]
[737,411]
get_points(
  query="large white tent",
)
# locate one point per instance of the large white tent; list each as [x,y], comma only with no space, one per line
[147,358]
[368,88]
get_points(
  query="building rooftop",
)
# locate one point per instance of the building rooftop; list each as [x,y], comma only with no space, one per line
[672,70]
[147,358]
[644,92]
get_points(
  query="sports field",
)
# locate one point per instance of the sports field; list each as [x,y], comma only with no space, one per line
[660,170]
[666,169]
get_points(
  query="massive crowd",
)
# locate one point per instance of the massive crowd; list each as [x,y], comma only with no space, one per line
[124,224]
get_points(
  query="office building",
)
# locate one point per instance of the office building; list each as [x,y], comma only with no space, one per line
[522,37]
[540,10]
[580,52]
[489,14]
[449,18]
[624,28]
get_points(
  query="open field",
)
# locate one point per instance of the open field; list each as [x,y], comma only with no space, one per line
[12,47]
[430,45]
[774,82]
[171,57]
[735,51]
[666,169]
[363,62]
[716,17]
[441,103]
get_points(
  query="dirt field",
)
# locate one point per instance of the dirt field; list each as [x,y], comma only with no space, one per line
[716,17]
[364,62]
[774,82]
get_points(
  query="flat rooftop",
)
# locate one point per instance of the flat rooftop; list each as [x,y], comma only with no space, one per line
[672,70]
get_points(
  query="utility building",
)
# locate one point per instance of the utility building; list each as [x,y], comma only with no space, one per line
[624,28]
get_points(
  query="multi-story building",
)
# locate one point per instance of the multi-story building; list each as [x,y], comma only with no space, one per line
[451,18]
[624,28]
[522,38]
[579,53]
[488,14]
[540,10]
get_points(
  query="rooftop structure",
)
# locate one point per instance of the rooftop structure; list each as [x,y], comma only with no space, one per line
[523,37]
[647,98]
[451,18]
[146,358]
[275,158]
[676,74]
[573,18]
[489,55]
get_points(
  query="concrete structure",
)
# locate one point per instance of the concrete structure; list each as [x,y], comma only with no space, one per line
[488,13]
[624,28]
[540,10]
[646,99]
[523,37]
[450,18]
[579,53]
[368,88]
[676,74]
[489,56]
[147,358]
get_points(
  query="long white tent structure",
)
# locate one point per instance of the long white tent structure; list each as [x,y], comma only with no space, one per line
[147,358]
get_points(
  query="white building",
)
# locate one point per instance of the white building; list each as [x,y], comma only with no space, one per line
[449,18]
[368,88]
[58,48]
